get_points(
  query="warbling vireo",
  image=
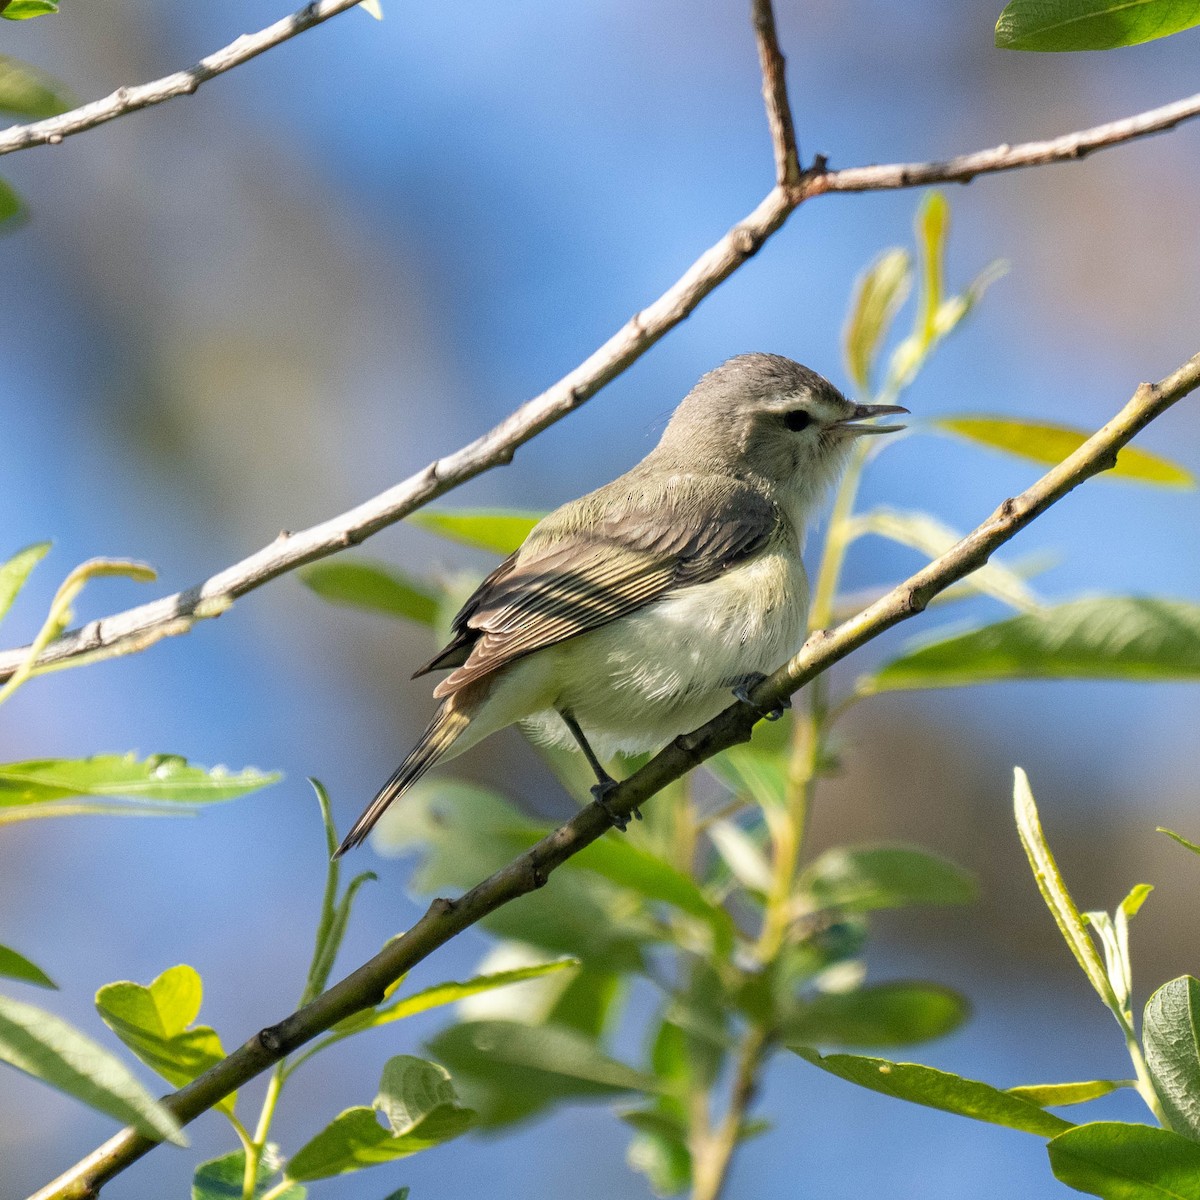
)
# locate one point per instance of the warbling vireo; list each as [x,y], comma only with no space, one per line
[629,615]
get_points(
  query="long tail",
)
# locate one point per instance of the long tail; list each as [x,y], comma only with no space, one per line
[446,727]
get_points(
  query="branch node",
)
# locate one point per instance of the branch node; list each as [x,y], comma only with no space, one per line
[441,907]
[538,874]
[55,139]
[270,1040]
[1007,509]
[914,601]
[745,241]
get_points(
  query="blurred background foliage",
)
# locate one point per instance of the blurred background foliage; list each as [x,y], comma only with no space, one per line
[245,311]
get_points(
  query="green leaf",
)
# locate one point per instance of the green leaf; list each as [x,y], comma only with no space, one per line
[421,1108]
[1054,890]
[742,855]
[1177,837]
[514,1069]
[222,1178]
[756,771]
[46,1047]
[1091,24]
[885,1014]
[15,572]
[13,210]
[939,1089]
[932,538]
[1171,1039]
[498,529]
[142,783]
[359,583]
[22,10]
[1057,1095]
[1048,443]
[1127,638]
[933,228]
[28,92]
[1127,1162]
[659,1150]
[862,878]
[156,1023]
[17,966]
[878,295]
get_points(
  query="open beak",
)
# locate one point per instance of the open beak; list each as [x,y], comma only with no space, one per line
[864,412]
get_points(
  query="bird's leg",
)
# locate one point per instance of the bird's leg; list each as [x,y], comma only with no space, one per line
[604,781]
[742,687]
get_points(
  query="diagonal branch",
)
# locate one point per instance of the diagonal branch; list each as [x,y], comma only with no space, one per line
[445,919]
[136,628]
[779,111]
[125,100]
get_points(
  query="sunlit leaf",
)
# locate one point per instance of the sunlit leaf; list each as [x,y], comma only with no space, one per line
[1171,1039]
[757,770]
[1177,837]
[156,1023]
[939,1089]
[742,855]
[1091,24]
[885,1014]
[158,780]
[932,538]
[659,1150]
[28,92]
[862,878]
[1054,890]
[498,529]
[1049,443]
[46,1047]
[1127,1162]
[222,1178]
[1128,638]
[375,9]
[1057,1095]
[374,586]
[22,10]
[15,572]
[420,1106]
[878,294]
[16,966]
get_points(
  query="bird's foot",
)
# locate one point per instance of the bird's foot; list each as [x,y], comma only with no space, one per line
[742,689]
[600,793]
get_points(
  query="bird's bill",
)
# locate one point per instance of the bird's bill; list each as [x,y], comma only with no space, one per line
[864,412]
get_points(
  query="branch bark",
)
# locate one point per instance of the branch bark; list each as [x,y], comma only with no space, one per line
[775,97]
[126,100]
[444,919]
[136,628]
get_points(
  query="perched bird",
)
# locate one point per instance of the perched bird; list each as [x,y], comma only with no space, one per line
[628,616]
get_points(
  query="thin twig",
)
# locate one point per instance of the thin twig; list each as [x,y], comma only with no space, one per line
[445,919]
[136,628]
[774,83]
[126,100]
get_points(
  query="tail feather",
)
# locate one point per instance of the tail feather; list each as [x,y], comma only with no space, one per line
[445,728]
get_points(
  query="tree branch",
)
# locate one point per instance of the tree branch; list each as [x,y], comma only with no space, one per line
[126,100]
[136,628]
[774,80]
[444,919]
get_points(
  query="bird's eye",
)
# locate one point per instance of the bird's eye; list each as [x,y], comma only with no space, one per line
[797,420]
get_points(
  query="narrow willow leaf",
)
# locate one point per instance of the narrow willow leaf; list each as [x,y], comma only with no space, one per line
[17,966]
[1057,25]
[1127,1162]
[1048,443]
[46,1047]
[498,529]
[376,10]
[878,295]
[1126,638]
[222,1179]
[758,771]
[22,10]
[165,778]
[885,1014]
[1058,1095]
[939,1089]
[156,1023]
[742,855]
[1054,890]
[16,571]
[358,583]
[659,1150]
[933,229]
[13,210]
[27,92]
[932,538]
[1176,837]
[862,878]
[421,1108]
[1171,1038]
